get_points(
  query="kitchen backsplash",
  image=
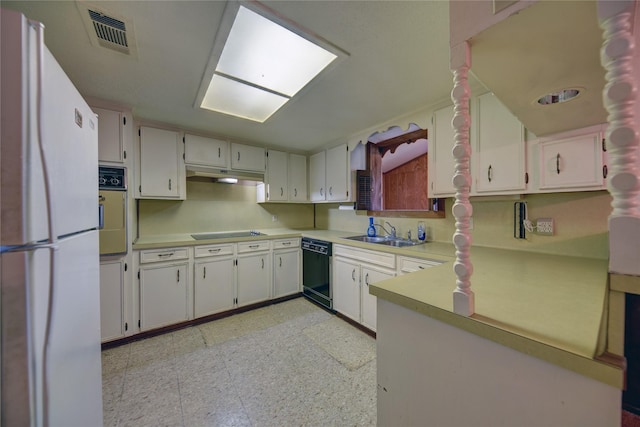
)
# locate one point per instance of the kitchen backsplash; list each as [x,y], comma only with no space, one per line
[580,223]
[219,207]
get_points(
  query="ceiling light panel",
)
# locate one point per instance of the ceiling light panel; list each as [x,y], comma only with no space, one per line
[238,99]
[266,54]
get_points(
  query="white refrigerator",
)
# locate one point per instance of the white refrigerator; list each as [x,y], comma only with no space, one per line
[49,262]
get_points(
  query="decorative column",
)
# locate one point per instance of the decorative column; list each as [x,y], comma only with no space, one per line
[619,58]
[463,297]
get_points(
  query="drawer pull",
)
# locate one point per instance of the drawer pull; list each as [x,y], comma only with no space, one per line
[286,243]
[254,246]
[421,267]
[165,255]
[216,250]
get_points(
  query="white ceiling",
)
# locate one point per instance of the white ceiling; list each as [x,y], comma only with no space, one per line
[398,63]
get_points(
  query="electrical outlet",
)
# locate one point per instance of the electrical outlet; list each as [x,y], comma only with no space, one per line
[544,226]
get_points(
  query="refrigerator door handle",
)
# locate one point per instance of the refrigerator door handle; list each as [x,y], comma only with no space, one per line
[100,216]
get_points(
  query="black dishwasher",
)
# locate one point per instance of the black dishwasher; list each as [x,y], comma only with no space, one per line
[316,271]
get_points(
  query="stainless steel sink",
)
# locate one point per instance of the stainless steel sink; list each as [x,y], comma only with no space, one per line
[399,243]
[226,235]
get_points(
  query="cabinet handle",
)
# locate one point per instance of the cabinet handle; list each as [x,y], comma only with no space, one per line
[321,192]
[366,279]
[353,275]
[254,246]
[238,156]
[330,192]
[169,184]
[216,250]
[286,243]
[281,191]
[219,152]
[421,267]
[204,275]
[178,278]
[489,173]
[295,192]
[280,261]
[262,259]
[166,254]
[605,171]
[558,163]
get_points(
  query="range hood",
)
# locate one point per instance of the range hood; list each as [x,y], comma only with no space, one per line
[545,48]
[207,172]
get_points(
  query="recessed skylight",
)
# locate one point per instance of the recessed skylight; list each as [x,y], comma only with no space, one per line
[262,65]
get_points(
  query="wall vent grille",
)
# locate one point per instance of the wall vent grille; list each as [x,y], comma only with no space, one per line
[108,30]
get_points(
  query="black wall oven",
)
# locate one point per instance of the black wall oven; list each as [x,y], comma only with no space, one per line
[316,271]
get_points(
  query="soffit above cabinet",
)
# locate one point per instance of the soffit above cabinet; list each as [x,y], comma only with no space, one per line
[545,48]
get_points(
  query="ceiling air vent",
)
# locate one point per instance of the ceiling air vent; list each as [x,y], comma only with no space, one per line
[108,30]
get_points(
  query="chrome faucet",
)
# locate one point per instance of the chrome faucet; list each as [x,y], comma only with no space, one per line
[393,230]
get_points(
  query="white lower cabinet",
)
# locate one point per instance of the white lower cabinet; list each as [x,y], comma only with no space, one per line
[213,279]
[286,267]
[353,271]
[112,299]
[253,272]
[164,287]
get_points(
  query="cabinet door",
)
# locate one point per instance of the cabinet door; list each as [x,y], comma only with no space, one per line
[297,178]
[206,151]
[286,273]
[247,158]
[277,166]
[160,162]
[572,164]
[500,148]
[110,143]
[336,175]
[316,176]
[213,286]
[346,287]
[371,275]
[253,278]
[441,161]
[111,300]
[163,295]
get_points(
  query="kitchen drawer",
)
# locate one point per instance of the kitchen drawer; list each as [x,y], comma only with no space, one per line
[409,265]
[258,245]
[213,250]
[286,243]
[381,259]
[159,255]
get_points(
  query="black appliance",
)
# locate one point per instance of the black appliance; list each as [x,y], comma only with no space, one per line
[316,271]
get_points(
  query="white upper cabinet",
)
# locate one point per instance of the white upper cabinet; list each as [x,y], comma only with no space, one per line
[203,151]
[297,178]
[441,162]
[316,176]
[500,149]
[572,161]
[110,135]
[337,173]
[161,165]
[277,177]
[247,158]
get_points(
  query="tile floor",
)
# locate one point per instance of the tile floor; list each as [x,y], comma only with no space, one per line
[289,364]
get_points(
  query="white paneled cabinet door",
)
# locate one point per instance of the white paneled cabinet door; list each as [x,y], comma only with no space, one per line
[163,295]
[213,286]
[277,179]
[203,151]
[161,164]
[346,288]
[111,299]
[337,173]
[253,275]
[110,135]
[574,163]
[247,158]
[369,276]
[317,176]
[286,272]
[500,148]
[441,162]
[297,178]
